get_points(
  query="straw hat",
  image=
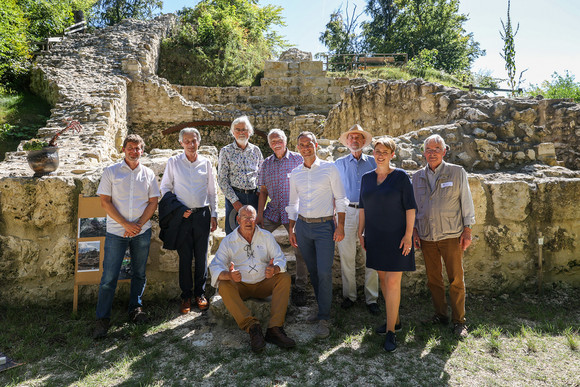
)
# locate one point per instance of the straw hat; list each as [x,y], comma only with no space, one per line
[356,129]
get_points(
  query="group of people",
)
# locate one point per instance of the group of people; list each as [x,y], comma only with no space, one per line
[356,199]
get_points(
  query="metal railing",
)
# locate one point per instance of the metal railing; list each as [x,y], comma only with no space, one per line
[350,62]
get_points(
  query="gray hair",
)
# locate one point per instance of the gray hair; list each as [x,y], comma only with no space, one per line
[247,208]
[189,131]
[246,122]
[278,132]
[434,137]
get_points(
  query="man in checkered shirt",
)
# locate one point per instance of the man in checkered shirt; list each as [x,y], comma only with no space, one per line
[274,181]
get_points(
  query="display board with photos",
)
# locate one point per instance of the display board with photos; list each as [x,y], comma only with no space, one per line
[92,226]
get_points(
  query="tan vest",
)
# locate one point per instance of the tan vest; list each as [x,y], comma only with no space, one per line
[439,214]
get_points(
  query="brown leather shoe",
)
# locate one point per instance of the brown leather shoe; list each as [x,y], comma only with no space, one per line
[276,335]
[257,341]
[185,305]
[202,302]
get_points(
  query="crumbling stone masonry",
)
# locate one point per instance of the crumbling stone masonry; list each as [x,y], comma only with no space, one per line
[522,155]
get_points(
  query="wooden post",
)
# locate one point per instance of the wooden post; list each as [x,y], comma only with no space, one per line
[540,272]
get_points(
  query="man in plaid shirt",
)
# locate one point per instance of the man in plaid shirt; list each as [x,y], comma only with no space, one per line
[273,180]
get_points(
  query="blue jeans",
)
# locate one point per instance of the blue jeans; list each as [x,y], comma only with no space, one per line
[244,198]
[115,247]
[317,247]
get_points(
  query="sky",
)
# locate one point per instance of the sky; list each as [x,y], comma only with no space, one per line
[548,39]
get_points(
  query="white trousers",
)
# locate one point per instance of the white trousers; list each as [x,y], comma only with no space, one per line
[347,249]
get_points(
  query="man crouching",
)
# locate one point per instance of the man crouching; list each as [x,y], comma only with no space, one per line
[250,263]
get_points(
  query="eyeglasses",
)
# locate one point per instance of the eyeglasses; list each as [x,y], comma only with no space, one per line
[240,130]
[435,150]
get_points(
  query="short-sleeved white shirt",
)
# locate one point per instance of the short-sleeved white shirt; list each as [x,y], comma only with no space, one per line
[130,190]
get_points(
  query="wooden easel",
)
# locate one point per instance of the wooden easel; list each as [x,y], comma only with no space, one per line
[89,207]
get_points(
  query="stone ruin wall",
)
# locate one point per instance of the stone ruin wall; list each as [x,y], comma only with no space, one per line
[108,82]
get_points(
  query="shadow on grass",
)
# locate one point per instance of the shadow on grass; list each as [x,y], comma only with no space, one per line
[196,349]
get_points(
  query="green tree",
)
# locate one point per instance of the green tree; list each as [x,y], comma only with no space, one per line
[340,37]
[111,12]
[14,48]
[416,25]
[380,28]
[50,17]
[509,52]
[221,43]
[560,87]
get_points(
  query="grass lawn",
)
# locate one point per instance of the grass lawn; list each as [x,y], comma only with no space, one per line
[21,115]
[515,340]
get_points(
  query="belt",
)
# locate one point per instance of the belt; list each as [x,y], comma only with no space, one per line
[194,210]
[245,191]
[353,205]
[316,220]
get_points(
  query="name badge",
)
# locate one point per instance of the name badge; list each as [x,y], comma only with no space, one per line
[448,184]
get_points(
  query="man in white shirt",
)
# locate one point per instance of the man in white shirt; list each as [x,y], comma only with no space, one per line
[129,194]
[189,177]
[315,191]
[249,263]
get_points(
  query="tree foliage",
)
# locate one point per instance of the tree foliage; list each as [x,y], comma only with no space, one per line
[111,12]
[340,37]
[417,25]
[221,43]
[14,49]
[560,87]
[412,26]
[25,22]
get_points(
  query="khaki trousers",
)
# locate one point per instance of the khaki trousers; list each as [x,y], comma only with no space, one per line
[234,293]
[452,254]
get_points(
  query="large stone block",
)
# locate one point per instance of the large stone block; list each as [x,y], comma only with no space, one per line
[275,66]
[311,67]
[479,199]
[510,200]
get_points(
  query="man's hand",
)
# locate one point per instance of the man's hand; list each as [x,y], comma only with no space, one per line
[292,238]
[260,219]
[235,275]
[131,229]
[361,239]
[271,270]
[237,205]
[465,238]
[338,233]
[416,239]
[213,224]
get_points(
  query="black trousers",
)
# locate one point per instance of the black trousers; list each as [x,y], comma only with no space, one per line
[193,248]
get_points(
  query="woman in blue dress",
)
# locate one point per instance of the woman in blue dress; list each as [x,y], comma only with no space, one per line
[387,215]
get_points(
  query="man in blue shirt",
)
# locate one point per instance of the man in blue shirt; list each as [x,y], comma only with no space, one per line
[351,169]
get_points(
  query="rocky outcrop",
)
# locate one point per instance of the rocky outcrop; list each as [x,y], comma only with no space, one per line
[484,133]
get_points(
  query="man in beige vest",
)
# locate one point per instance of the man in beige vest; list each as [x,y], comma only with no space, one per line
[445,215]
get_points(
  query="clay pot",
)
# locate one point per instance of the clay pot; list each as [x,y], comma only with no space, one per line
[43,161]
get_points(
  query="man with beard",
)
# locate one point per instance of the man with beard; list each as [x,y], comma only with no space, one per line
[238,167]
[352,168]
[129,194]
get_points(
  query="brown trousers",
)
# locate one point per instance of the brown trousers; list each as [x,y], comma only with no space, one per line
[234,293]
[452,254]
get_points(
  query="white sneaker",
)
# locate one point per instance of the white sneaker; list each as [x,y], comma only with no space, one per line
[322,330]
